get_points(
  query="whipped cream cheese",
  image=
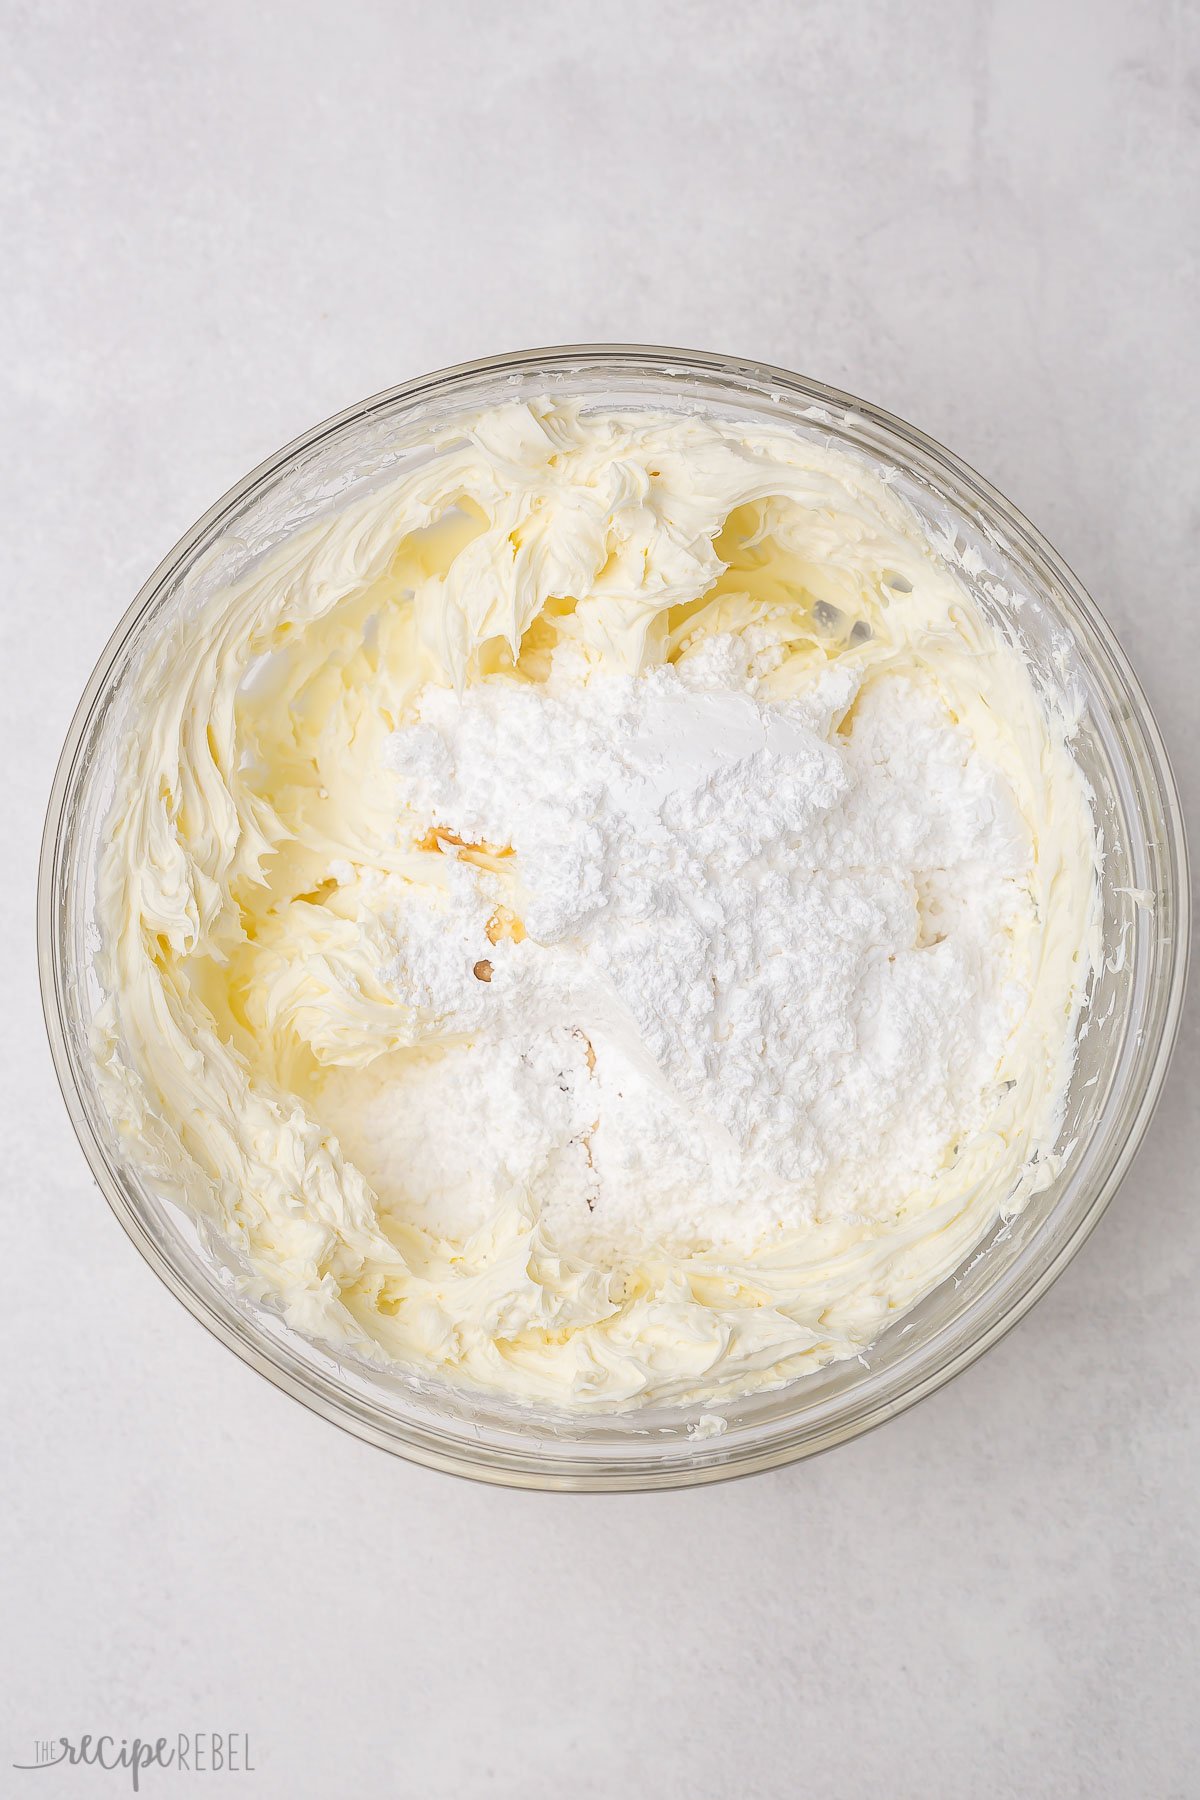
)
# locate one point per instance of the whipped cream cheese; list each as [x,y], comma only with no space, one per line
[604,918]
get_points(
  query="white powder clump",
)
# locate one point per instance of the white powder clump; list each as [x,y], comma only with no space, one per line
[725,963]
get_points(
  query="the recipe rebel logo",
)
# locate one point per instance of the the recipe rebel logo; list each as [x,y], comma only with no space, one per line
[193,1752]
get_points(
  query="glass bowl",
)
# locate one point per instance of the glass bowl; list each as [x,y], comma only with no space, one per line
[1133,1011]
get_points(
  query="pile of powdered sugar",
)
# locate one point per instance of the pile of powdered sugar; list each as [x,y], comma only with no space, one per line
[766,970]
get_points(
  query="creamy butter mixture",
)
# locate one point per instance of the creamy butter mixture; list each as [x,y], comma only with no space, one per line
[604,918]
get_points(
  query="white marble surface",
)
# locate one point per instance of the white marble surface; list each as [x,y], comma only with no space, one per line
[224,222]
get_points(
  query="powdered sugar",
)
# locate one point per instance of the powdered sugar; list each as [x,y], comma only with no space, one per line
[766,971]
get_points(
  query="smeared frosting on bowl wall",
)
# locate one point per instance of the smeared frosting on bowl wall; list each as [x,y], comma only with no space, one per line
[605,917]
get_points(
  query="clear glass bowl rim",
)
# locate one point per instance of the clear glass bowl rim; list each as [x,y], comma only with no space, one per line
[708,1464]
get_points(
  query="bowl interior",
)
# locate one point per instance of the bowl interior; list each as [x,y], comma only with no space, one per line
[1127,1031]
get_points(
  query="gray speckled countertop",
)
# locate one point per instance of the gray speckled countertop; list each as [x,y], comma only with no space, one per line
[224,222]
